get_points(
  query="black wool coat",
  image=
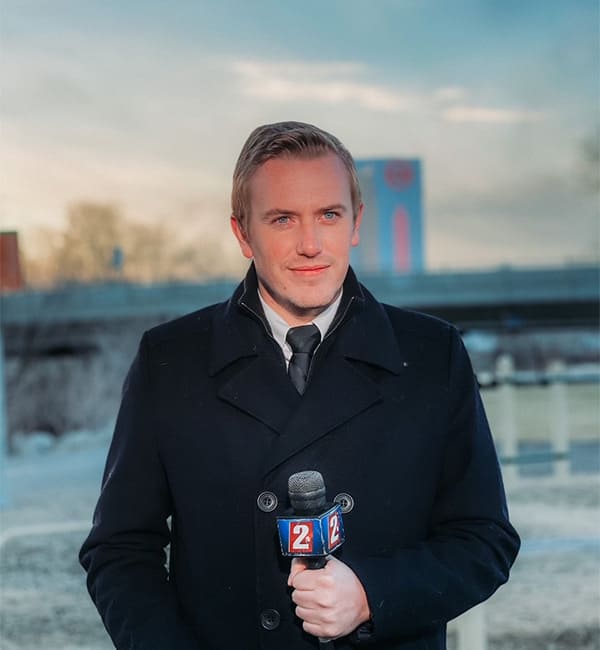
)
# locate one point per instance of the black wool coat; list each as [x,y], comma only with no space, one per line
[209,421]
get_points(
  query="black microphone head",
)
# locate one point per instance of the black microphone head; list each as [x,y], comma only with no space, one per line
[307,492]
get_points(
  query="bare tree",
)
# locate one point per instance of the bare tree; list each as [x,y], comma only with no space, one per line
[85,252]
[98,244]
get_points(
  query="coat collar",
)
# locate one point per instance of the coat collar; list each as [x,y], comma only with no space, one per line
[240,323]
[250,370]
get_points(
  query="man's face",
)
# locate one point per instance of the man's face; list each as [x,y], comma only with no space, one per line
[299,231]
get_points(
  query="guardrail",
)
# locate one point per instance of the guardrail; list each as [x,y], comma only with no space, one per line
[470,628]
[555,379]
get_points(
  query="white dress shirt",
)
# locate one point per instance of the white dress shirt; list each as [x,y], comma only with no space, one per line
[279,327]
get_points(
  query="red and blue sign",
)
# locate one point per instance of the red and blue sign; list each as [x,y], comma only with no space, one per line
[391,233]
[311,536]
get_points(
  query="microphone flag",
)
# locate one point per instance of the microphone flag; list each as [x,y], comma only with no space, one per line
[311,536]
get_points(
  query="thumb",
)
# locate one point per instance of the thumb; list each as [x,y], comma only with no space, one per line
[298,565]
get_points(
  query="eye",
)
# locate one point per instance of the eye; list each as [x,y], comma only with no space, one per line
[330,215]
[282,219]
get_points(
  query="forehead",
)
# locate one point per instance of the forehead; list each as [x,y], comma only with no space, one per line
[300,179]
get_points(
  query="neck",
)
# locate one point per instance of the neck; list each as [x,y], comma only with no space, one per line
[292,314]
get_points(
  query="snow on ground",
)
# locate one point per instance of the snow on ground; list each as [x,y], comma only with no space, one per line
[552,601]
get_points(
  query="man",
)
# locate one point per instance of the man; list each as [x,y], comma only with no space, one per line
[211,426]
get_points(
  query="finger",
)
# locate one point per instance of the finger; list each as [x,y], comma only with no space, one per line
[305,598]
[298,565]
[320,630]
[309,615]
[315,580]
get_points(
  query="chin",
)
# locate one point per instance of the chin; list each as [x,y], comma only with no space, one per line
[313,303]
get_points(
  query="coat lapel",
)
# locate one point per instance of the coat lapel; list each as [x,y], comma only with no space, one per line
[322,408]
[249,369]
[338,390]
[261,389]
[248,366]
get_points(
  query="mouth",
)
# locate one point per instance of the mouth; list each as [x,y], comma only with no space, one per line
[309,271]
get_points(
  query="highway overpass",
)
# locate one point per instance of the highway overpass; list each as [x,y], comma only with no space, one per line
[504,298]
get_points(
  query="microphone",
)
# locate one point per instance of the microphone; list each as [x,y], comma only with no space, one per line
[315,529]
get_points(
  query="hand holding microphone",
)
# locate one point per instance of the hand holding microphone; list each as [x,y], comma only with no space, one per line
[330,598]
[331,602]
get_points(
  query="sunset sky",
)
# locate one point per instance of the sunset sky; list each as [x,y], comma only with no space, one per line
[146,105]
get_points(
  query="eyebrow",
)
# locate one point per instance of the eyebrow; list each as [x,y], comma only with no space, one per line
[274,212]
[336,207]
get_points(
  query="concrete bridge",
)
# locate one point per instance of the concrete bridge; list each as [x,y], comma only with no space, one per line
[507,298]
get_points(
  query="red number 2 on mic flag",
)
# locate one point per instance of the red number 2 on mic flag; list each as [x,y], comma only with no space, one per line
[334,530]
[301,537]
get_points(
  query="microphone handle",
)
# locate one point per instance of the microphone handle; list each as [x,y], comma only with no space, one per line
[315,562]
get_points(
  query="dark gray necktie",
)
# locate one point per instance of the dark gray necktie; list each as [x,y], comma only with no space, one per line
[303,340]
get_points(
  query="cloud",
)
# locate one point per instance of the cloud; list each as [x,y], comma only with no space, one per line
[485,115]
[454,105]
[318,83]
[541,219]
[449,94]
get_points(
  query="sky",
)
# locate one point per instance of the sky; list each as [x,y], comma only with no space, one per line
[146,104]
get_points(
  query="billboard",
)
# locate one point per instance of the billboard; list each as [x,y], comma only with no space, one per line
[391,234]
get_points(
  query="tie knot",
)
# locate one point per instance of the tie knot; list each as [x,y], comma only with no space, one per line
[303,339]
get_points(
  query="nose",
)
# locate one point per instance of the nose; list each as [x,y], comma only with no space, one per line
[309,239]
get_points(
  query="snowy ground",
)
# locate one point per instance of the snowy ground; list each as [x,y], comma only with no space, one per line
[551,603]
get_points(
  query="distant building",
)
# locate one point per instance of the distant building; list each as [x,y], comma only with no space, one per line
[11,276]
[391,235]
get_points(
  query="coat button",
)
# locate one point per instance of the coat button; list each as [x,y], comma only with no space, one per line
[270,619]
[267,501]
[345,501]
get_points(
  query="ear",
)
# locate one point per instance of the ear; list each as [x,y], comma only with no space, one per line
[240,234]
[356,228]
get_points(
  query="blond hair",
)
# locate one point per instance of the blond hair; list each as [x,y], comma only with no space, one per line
[286,139]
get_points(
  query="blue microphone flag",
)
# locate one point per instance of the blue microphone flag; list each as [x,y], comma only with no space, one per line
[311,536]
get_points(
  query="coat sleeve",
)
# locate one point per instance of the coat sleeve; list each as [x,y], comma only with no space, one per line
[124,554]
[470,546]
